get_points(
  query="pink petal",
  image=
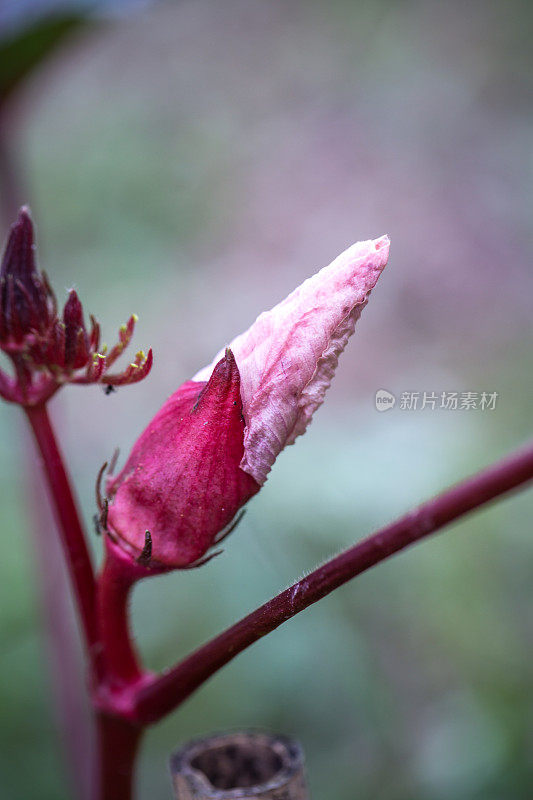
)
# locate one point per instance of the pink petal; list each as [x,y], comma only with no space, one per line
[288,357]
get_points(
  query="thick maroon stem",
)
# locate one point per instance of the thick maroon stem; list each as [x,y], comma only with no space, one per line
[104,620]
[72,715]
[118,744]
[114,584]
[160,696]
[72,535]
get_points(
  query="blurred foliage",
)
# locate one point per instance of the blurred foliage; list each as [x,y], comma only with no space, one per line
[23,50]
[193,165]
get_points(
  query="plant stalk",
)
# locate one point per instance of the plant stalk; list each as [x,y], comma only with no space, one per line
[118,745]
[72,536]
[120,660]
[161,695]
[72,712]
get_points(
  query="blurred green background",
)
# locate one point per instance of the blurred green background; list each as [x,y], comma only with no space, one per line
[192,162]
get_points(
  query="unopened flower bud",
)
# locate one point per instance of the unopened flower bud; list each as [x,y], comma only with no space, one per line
[26,302]
[76,339]
[212,444]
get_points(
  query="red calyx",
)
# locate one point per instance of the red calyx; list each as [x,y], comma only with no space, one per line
[182,481]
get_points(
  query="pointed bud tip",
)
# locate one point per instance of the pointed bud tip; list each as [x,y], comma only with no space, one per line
[19,254]
[25,214]
[73,307]
[22,229]
[223,385]
[226,370]
[382,246]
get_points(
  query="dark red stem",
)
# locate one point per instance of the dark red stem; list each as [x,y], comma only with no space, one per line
[114,585]
[104,618]
[74,545]
[65,662]
[118,745]
[157,698]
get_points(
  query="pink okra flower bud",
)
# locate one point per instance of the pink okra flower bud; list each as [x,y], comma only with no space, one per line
[212,444]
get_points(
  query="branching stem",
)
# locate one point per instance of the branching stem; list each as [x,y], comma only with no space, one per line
[166,692]
[125,697]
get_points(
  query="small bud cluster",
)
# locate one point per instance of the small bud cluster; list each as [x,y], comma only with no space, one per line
[48,349]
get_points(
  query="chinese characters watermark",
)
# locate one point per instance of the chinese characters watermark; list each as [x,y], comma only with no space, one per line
[447,401]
